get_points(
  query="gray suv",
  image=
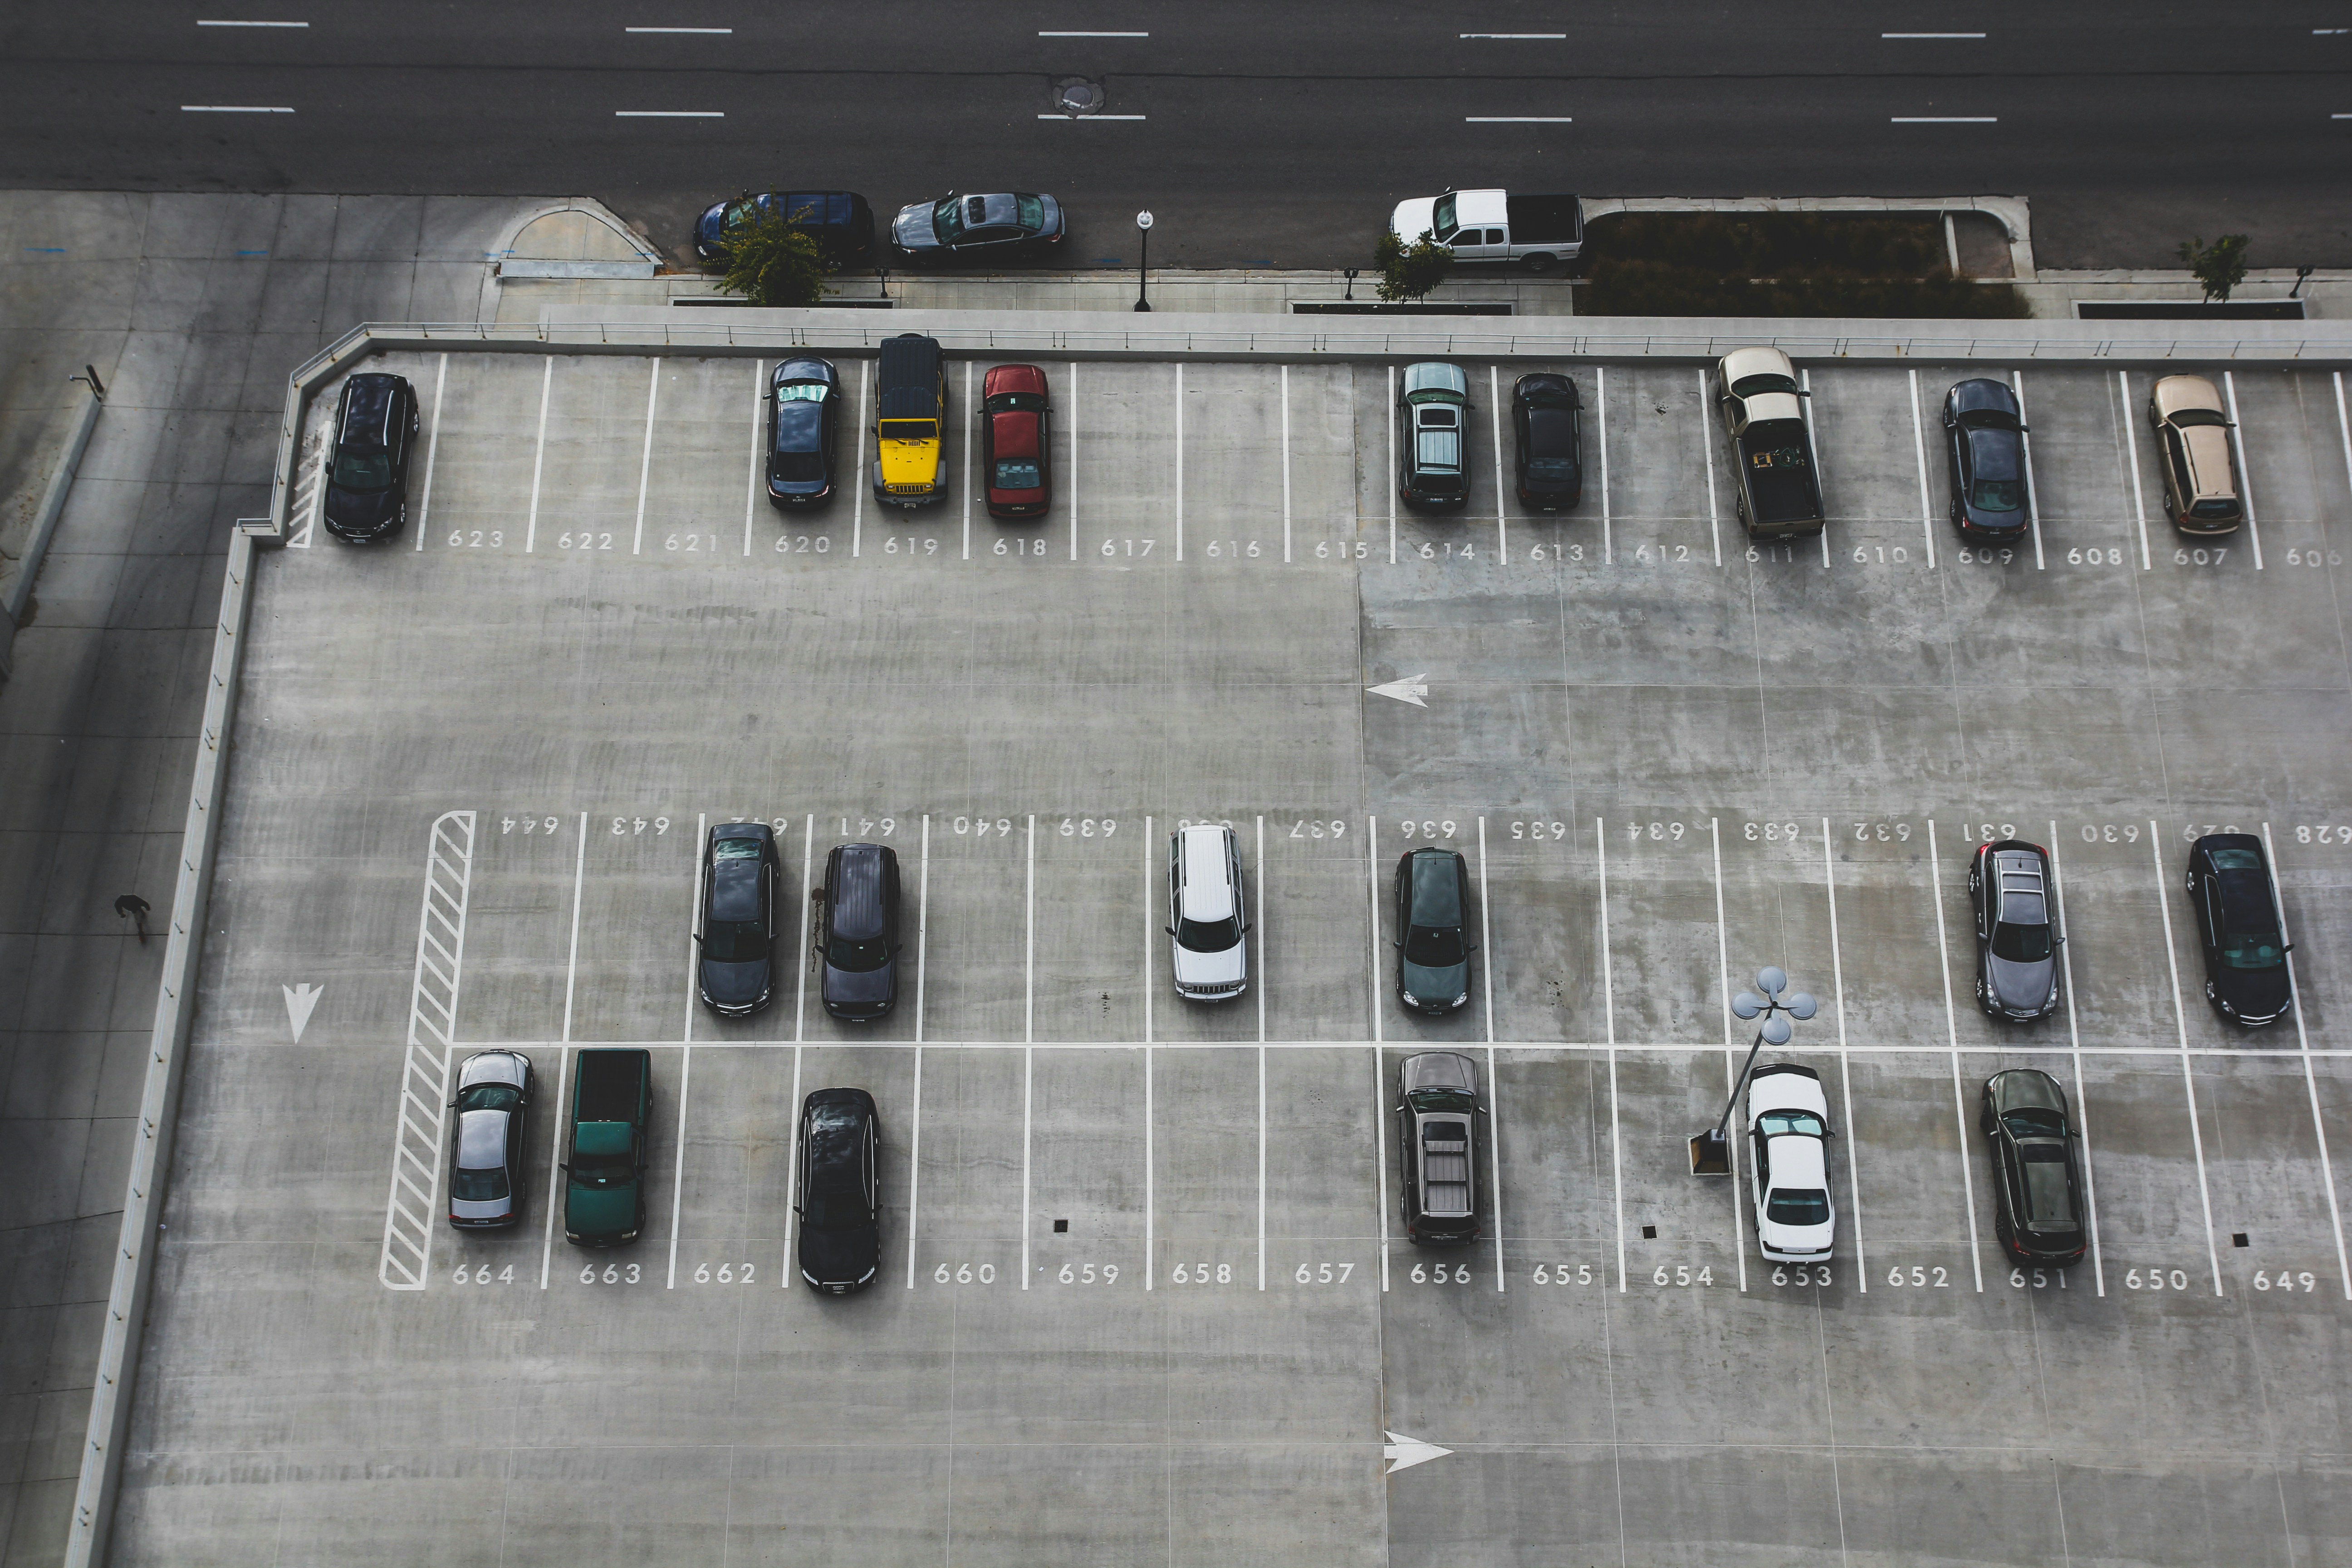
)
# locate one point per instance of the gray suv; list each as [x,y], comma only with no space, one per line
[2017,930]
[1439,1131]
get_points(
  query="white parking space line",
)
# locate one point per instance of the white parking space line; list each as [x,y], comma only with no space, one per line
[1179,461]
[715,31]
[2131,466]
[1071,485]
[801,953]
[1730,1048]
[539,454]
[694,924]
[1028,1041]
[669,114]
[784,1270]
[1919,450]
[1814,451]
[1494,1079]
[1388,482]
[1931,35]
[693,956]
[236,109]
[1713,512]
[2303,1042]
[759,441]
[1514,36]
[915,1140]
[2245,476]
[2180,1022]
[1495,430]
[2074,1043]
[2343,428]
[432,1051]
[1517,119]
[572,963]
[677,1177]
[968,445]
[858,477]
[1285,485]
[554,1161]
[1952,1032]
[645,464]
[433,443]
[2032,495]
[1944,120]
[1845,1067]
[1150,1191]
[1600,406]
[1609,1014]
[1380,1097]
[1092,35]
[253,24]
[1257,909]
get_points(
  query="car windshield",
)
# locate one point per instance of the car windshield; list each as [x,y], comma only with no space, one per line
[489,1096]
[2033,1121]
[1756,385]
[734,942]
[803,391]
[1033,213]
[2021,943]
[1209,936]
[601,1170]
[2049,1197]
[1433,947]
[948,219]
[1798,1205]
[2187,416]
[1443,1100]
[361,471]
[740,213]
[857,957]
[2214,508]
[1440,218]
[1017,474]
[908,429]
[1997,495]
[477,1186]
[1016,403]
[1803,1123]
[1551,468]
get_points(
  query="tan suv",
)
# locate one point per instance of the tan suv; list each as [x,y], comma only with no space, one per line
[2192,447]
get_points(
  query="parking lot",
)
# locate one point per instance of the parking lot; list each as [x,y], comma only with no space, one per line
[1143,1293]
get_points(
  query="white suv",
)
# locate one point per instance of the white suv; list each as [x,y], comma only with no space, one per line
[1788,1131]
[1205,913]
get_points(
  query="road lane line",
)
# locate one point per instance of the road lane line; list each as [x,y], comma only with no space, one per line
[644,463]
[1945,119]
[759,441]
[1931,35]
[799,998]
[2303,1042]
[2074,1043]
[792,1177]
[1180,460]
[572,965]
[1919,450]
[857,489]
[2180,1023]
[556,1182]
[1952,1033]
[1286,466]
[914,1149]
[234,109]
[1390,484]
[1494,1078]
[1088,34]
[1510,36]
[433,447]
[668,114]
[1845,1067]
[1707,461]
[2246,476]
[1517,119]
[2131,464]
[1495,428]
[1073,439]
[1380,1097]
[698,30]
[538,455]
[968,444]
[1609,1007]
[1150,1196]
[1723,976]
[1601,408]
[2032,496]
[209,23]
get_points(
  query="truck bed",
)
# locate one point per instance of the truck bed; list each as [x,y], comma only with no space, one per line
[610,1085]
[1776,465]
[1544,220]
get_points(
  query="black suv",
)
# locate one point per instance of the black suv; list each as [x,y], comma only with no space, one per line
[2237,912]
[367,468]
[840,1204]
[742,873]
[857,931]
[2037,1180]
[1433,914]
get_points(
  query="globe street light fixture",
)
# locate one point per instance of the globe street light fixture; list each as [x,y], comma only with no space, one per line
[1143,227]
[1710,1152]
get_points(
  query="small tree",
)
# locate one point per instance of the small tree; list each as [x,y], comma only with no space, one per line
[772,263]
[1410,271]
[2219,267]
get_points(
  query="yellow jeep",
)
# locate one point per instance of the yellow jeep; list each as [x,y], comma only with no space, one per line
[910,465]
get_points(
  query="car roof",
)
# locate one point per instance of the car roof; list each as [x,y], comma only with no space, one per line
[858,891]
[1013,433]
[482,1140]
[1799,1161]
[2209,461]
[1207,891]
[735,889]
[1986,394]
[1012,378]
[1436,375]
[909,374]
[1434,873]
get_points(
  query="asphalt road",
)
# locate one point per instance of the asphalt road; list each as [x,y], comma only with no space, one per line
[1272,136]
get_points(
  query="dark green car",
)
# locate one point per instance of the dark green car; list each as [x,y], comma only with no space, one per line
[604,1177]
[1433,912]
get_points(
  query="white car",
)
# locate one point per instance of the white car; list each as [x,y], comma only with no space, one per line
[1205,913]
[1788,1134]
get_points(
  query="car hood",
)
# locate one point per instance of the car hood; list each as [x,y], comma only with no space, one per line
[840,1257]
[1412,219]
[2020,987]
[859,987]
[1441,985]
[1212,968]
[735,983]
[361,510]
[912,227]
[707,227]
[2254,993]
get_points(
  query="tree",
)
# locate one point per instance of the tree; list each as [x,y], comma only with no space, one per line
[1410,271]
[2219,267]
[770,263]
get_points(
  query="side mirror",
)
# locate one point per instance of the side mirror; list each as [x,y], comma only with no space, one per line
[563,1165]
[1170,929]
[1804,391]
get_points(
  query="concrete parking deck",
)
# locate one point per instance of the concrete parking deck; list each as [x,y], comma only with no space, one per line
[1144,1297]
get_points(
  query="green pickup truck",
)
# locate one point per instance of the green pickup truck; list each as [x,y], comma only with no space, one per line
[605,1185]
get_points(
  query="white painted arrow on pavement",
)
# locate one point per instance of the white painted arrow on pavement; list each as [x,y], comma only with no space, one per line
[1403,1452]
[1412,688]
[300,1000]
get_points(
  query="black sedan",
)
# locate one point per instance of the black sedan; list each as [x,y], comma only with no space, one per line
[804,431]
[840,1177]
[742,873]
[2237,914]
[486,1153]
[1984,446]
[1548,418]
[2037,1178]
[857,932]
[1012,226]
[367,471]
[1433,914]
[2017,930]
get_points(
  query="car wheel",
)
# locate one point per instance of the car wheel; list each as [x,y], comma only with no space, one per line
[1541,263]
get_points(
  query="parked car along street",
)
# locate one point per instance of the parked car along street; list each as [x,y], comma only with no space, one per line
[489,1151]
[367,469]
[2017,930]
[2037,1179]
[840,221]
[1012,226]
[1440,1127]
[2236,908]
[840,1181]
[1984,449]
[804,431]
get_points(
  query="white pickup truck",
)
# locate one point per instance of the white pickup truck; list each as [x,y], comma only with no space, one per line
[1541,231]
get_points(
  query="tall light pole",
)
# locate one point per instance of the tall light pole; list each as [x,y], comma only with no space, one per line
[1143,227]
[1710,1152]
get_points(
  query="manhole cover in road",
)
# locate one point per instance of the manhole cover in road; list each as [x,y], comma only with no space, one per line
[1076,95]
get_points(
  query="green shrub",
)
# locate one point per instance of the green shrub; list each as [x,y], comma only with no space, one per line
[1410,271]
[770,263]
[2220,266]
[1778,264]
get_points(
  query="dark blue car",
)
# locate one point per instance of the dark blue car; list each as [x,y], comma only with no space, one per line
[804,431]
[742,876]
[1984,440]
[841,221]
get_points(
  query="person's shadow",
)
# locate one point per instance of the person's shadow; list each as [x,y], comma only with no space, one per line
[135,906]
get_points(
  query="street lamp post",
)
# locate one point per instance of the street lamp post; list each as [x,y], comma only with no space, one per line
[1143,227]
[1710,1152]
